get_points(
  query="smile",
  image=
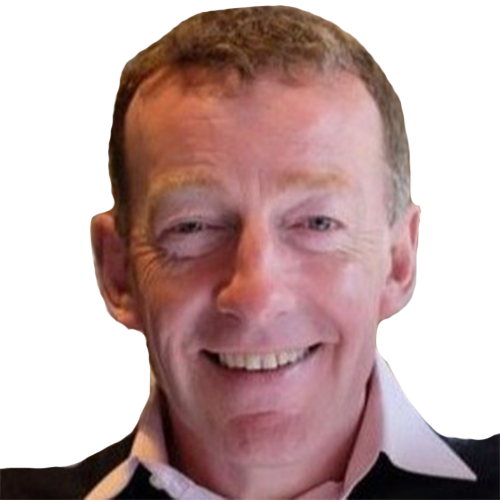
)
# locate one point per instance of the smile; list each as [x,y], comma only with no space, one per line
[262,362]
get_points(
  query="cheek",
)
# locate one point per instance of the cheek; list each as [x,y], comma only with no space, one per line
[176,302]
[345,290]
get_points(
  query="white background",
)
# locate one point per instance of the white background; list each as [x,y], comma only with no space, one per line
[73,381]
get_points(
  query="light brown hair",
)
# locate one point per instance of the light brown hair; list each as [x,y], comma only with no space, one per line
[250,41]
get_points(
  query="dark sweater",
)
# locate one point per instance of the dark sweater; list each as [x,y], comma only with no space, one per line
[383,481]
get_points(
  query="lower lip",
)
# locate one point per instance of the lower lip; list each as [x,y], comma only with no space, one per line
[241,376]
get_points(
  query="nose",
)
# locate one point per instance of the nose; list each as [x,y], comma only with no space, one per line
[256,291]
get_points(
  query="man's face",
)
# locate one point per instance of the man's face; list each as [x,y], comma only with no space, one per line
[259,227]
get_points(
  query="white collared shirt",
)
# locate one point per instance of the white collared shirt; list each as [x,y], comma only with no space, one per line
[390,424]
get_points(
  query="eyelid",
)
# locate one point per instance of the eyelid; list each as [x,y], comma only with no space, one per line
[178,224]
[178,220]
[216,224]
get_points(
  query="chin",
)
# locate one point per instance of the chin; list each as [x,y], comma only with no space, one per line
[265,439]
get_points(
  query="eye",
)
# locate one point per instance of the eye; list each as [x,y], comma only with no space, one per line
[320,223]
[193,238]
[317,233]
[189,227]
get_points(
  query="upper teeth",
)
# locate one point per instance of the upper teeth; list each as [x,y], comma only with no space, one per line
[261,361]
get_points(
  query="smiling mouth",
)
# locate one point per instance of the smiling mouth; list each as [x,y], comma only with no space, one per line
[250,362]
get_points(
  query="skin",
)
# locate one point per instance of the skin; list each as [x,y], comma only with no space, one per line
[285,244]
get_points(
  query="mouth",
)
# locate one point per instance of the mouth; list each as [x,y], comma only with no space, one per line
[263,362]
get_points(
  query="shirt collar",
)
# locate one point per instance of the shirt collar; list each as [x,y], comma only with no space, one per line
[407,439]
[390,424]
[393,426]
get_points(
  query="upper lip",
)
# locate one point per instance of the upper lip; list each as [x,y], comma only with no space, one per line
[259,351]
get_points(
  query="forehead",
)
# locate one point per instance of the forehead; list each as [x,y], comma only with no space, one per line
[267,128]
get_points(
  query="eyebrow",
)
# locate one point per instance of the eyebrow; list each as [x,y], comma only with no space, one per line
[172,184]
[325,178]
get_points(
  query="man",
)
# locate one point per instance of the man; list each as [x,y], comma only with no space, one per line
[262,229]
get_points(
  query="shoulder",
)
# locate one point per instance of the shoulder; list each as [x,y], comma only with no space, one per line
[388,481]
[482,456]
[74,481]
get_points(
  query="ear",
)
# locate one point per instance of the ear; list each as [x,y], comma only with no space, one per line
[112,271]
[402,271]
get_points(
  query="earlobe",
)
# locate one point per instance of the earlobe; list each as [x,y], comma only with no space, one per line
[401,279]
[111,267]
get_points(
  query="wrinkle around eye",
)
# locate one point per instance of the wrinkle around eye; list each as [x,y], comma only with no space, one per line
[149,261]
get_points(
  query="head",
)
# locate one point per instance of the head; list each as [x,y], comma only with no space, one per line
[260,171]
[248,42]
